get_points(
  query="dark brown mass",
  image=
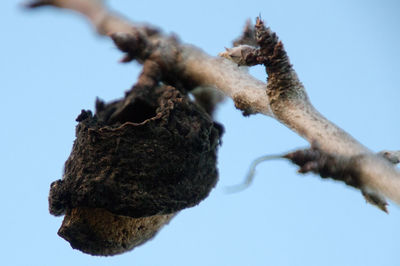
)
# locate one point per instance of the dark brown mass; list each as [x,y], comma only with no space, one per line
[99,232]
[151,153]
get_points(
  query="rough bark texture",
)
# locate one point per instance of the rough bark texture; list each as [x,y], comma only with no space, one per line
[134,165]
[154,153]
[158,156]
[339,168]
[100,232]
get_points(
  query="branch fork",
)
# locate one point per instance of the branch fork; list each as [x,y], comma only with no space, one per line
[283,97]
[333,153]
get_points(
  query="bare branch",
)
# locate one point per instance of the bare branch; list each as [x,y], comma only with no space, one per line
[392,156]
[283,97]
[105,22]
[179,61]
[336,167]
[340,168]
[290,105]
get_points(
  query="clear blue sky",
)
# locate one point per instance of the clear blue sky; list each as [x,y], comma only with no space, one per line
[347,55]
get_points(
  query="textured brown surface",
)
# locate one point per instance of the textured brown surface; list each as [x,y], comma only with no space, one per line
[157,156]
[99,232]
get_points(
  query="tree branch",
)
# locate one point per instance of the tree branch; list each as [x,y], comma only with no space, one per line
[392,156]
[375,176]
[179,61]
[283,97]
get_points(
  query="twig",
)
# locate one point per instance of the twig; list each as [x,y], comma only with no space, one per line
[283,97]
[250,174]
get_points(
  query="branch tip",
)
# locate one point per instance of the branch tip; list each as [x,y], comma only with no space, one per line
[285,99]
[250,174]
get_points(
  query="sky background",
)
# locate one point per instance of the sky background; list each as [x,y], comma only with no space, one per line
[347,55]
